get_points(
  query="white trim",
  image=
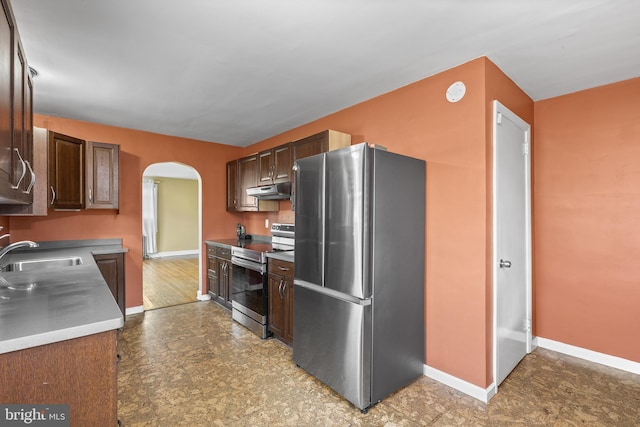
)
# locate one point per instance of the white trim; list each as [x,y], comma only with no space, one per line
[499,109]
[174,253]
[134,310]
[463,386]
[205,297]
[590,355]
[200,241]
[201,295]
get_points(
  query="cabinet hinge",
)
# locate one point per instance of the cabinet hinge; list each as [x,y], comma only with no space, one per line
[499,118]
[525,148]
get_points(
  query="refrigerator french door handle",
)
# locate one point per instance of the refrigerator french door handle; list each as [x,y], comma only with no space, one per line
[332,293]
[324,219]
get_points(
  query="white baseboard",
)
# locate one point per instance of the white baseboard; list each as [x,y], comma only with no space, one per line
[205,297]
[590,355]
[485,394]
[174,253]
[461,385]
[134,310]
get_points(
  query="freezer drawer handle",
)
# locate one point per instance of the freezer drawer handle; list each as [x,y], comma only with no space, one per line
[331,292]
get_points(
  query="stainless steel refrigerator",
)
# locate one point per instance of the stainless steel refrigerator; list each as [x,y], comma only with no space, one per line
[359,271]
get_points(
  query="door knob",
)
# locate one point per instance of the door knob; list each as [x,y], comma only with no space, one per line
[505,264]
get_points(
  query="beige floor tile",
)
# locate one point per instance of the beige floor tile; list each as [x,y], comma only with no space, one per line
[192,365]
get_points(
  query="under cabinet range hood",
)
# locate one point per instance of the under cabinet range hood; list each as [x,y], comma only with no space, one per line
[279,191]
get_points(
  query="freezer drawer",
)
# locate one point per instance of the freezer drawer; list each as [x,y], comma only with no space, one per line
[333,343]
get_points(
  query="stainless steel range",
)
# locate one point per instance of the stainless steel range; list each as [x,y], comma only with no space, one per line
[249,304]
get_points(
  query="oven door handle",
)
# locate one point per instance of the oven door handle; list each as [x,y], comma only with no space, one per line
[254,266]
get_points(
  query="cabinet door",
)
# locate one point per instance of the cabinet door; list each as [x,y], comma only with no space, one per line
[38,207]
[213,276]
[102,170]
[311,145]
[247,177]
[22,172]
[6,137]
[28,143]
[276,305]
[288,320]
[265,167]
[232,178]
[112,268]
[225,283]
[66,171]
[282,163]
[80,372]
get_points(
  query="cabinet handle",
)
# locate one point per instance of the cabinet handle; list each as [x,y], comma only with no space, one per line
[90,196]
[53,195]
[24,170]
[283,268]
[281,289]
[33,178]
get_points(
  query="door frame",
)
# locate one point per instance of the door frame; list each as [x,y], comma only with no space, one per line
[201,295]
[500,109]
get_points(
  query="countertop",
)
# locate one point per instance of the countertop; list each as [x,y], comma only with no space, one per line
[281,255]
[238,243]
[49,305]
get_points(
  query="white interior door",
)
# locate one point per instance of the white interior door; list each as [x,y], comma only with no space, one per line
[512,241]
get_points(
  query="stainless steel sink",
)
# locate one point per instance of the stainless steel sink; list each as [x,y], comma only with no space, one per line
[42,263]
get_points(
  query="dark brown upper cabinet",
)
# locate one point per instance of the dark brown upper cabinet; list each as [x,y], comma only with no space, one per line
[40,189]
[246,176]
[17,177]
[320,143]
[102,169]
[274,165]
[66,172]
[232,177]
[82,174]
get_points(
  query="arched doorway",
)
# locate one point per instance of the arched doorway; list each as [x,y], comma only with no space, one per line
[172,232]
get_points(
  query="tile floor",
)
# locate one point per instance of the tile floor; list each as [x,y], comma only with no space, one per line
[190,365]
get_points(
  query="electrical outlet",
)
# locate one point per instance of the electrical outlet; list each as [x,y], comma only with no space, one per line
[266,223]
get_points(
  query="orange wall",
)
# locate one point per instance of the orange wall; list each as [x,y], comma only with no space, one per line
[137,151]
[586,212]
[454,139]
[415,120]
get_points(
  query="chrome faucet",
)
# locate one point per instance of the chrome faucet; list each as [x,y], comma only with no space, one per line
[16,245]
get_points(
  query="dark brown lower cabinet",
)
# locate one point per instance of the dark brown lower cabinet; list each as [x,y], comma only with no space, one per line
[80,372]
[219,274]
[280,285]
[112,268]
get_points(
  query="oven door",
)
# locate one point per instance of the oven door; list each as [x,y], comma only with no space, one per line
[248,288]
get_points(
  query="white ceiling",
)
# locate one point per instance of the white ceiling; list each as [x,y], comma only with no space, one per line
[239,71]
